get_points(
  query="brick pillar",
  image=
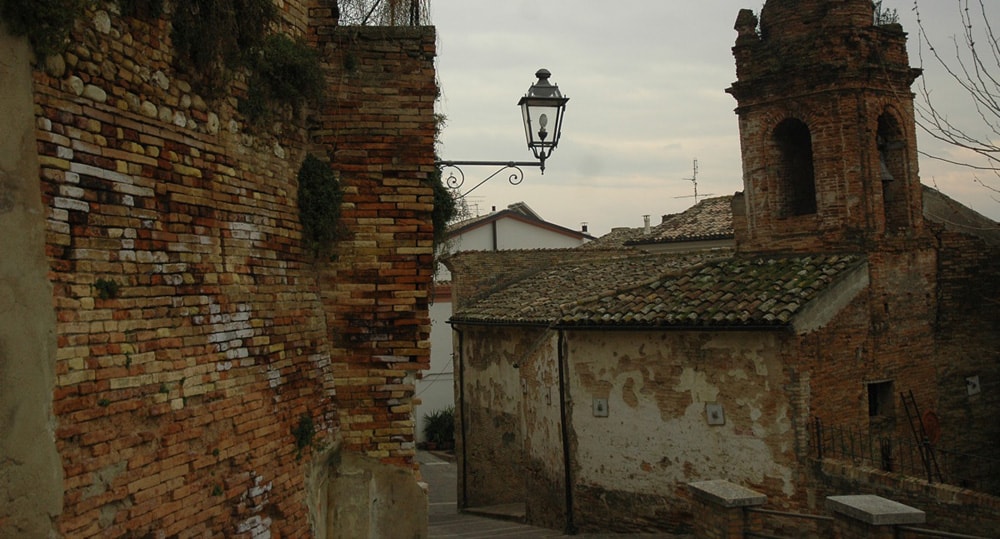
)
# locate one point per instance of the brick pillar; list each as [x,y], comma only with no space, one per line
[377,128]
[720,509]
[870,517]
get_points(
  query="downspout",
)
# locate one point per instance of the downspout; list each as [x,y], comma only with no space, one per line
[563,418]
[496,241]
[460,404]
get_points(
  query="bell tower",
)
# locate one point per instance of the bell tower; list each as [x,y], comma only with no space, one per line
[826,129]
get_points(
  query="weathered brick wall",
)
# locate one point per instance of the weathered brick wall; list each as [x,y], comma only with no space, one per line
[177,397]
[949,508]
[837,82]
[885,334]
[968,347]
[378,127]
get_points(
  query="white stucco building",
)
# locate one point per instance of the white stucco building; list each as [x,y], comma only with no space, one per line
[515,227]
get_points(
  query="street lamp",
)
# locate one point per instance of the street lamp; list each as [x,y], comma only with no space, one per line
[544,104]
[542,110]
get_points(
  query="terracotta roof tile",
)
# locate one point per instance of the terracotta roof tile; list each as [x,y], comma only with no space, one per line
[665,290]
[545,296]
[711,218]
[735,292]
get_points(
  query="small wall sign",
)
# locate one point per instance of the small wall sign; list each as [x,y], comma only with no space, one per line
[600,407]
[715,414]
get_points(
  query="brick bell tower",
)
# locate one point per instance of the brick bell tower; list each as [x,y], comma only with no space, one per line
[827,130]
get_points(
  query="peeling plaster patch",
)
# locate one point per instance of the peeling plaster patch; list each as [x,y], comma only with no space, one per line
[628,393]
[696,383]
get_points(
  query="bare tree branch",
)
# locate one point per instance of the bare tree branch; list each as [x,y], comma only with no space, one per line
[974,65]
[384,12]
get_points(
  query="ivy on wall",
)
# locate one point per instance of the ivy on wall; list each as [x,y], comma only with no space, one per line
[46,23]
[285,71]
[320,196]
[444,207]
[213,40]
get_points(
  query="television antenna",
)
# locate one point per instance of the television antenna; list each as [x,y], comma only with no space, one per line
[694,180]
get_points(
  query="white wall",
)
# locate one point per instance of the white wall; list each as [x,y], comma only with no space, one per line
[436,390]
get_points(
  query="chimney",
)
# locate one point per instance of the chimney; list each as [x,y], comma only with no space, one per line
[645,227]
[583,227]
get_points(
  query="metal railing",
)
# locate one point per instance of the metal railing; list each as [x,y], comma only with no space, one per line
[907,457]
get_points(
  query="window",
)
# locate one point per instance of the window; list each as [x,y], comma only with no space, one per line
[796,179]
[880,401]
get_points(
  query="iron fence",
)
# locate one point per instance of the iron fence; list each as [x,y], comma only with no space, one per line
[922,459]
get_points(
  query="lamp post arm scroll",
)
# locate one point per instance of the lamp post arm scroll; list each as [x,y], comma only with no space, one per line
[539,106]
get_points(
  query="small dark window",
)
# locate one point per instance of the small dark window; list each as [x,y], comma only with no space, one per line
[880,401]
[796,176]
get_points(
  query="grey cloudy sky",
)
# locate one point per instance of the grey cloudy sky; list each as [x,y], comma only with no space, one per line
[646,81]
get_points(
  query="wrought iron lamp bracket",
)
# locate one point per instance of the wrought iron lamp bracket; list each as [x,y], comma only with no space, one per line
[455,182]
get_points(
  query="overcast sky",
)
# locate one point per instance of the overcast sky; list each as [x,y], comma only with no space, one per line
[646,81]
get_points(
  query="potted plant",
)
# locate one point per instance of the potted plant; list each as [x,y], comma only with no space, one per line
[439,428]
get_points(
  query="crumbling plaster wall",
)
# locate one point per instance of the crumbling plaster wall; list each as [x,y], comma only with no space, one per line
[510,413]
[30,473]
[659,389]
[491,416]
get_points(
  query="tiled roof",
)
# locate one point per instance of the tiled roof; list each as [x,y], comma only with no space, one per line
[709,219]
[545,296]
[617,238]
[737,292]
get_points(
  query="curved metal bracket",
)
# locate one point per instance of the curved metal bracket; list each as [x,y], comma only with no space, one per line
[456,182]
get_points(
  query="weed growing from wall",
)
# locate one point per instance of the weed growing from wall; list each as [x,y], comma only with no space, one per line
[285,71]
[46,23]
[320,197]
[444,207]
[107,288]
[303,433]
[142,9]
[215,38]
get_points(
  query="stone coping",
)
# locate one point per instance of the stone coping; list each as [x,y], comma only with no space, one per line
[875,510]
[723,493]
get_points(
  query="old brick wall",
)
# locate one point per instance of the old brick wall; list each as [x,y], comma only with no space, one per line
[176,396]
[886,334]
[378,127]
[837,82]
[968,345]
[949,508]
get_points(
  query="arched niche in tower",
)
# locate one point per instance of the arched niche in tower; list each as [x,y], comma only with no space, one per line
[892,172]
[796,181]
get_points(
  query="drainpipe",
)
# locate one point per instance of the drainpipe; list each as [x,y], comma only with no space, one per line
[496,242]
[463,502]
[564,420]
